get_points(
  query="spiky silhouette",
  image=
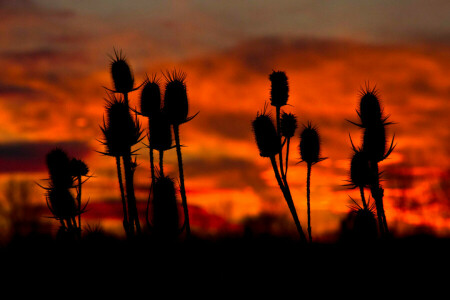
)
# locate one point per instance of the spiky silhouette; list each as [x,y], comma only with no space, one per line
[309,153]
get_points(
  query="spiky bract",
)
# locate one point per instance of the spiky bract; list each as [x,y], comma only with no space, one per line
[267,139]
[279,92]
[310,144]
[121,73]
[151,98]
[176,104]
[288,125]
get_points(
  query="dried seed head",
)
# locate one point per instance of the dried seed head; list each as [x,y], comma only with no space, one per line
[361,173]
[370,110]
[58,164]
[310,145]
[374,142]
[160,132]
[266,136]
[121,73]
[165,209]
[288,125]
[151,98]
[175,97]
[78,168]
[61,203]
[279,91]
[121,131]
[365,225]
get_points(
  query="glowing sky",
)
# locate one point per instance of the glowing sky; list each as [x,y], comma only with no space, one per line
[54,62]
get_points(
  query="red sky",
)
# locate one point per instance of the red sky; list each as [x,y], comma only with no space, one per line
[55,61]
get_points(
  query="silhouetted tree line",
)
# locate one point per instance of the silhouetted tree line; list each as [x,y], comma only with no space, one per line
[166,111]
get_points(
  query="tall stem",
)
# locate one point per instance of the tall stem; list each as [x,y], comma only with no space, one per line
[280,154]
[180,170]
[287,157]
[363,199]
[288,197]
[308,200]
[377,194]
[161,163]
[79,204]
[126,224]
[133,213]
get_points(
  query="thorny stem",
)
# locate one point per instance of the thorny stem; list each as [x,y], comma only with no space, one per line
[180,170]
[308,199]
[288,197]
[126,224]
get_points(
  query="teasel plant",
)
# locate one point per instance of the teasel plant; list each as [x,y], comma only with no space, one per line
[374,124]
[121,132]
[310,154]
[269,144]
[175,111]
[65,174]
[364,227]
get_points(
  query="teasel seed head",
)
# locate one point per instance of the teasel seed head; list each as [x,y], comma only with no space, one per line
[121,73]
[288,125]
[78,168]
[361,173]
[61,202]
[370,111]
[310,145]
[176,104]
[365,224]
[120,130]
[151,97]
[58,164]
[266,136]
[374,142]
[279,92]
[160,132]
[165,208]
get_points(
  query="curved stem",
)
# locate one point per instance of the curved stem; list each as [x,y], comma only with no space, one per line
[288,197]
[308,200]
[363,199]
[180,170]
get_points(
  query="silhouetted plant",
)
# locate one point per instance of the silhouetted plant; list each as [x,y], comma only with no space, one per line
[176,109]
[165,209]
[364,225]
[269,144]
[60,201]
[288,126]
[121,132]
[374,146]
[310,153]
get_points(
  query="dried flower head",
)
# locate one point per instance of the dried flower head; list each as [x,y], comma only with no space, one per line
[279,92]
[61,203]
[310,145]
[370,111]
[78,168]
[121,73]
[160,132]
[151,97]
[165,208]
[175,97]
[58,164]
[361,173]
[375,143]
[288,125]
[267,139]
[120,130]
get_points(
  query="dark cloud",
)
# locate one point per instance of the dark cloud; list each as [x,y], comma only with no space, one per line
[12,89]
[30,156]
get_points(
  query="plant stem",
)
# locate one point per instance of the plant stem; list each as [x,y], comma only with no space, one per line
[180,170]
[363,199]
[79,204]
[377,194]
[161,166]
[126,224]
[287,157]
[308,199]
[280,154]
[288,197]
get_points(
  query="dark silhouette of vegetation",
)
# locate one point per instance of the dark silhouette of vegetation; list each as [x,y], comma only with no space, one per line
[268,138]
[310,153]
[365,171]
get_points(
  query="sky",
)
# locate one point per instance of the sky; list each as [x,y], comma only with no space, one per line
[55,59]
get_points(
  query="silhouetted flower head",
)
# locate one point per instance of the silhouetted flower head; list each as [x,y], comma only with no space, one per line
[120,130]
[279,91]
[78,167]
[361,173]
[175,97]
[374,142]
[365,224]
[61,203]
[370,110]
[288,125]
[310,145]
[151,98]
[58,164]
[121,73]
[165,209]
[160,132]
[266,136]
